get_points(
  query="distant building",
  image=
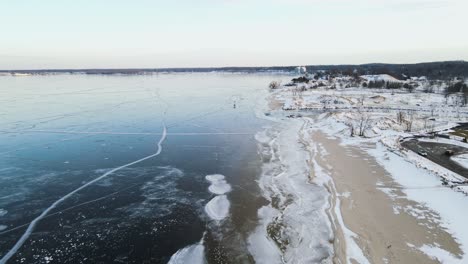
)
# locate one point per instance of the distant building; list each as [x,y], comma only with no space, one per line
[301,70]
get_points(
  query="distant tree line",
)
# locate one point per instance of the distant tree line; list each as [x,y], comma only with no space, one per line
[433,70]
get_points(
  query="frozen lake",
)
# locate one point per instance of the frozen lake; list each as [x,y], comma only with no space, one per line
[59,132]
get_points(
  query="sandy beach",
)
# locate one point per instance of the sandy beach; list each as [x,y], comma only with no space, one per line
[385,231]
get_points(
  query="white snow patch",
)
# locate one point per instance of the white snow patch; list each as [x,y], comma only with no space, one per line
[260,245]
[194,254]
[380,77]
[218,184]
[439,254]
[218,207]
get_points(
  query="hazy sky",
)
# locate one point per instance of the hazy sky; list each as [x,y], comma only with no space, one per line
[202,33]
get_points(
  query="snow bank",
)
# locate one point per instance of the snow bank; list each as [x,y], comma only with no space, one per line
[392,142]
[260,244]
[461,159]
[380,77]
[294,227]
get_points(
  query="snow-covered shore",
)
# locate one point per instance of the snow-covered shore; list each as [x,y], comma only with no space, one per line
[421,200]
[294,226]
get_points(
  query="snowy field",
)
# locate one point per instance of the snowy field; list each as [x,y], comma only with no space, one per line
[382,114]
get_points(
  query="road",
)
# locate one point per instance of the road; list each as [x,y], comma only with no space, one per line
[436,112]
[436,153]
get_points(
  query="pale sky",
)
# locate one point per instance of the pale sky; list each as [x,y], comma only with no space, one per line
[38,34]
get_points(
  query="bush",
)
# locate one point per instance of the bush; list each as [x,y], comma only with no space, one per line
[274,85]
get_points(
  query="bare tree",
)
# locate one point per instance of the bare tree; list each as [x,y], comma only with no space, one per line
[361,100]
[409,121]
[400,117]
[352,129]
[364,123]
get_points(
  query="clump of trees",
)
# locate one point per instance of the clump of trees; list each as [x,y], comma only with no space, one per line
[393,85]
[383,84]
[376,84]
[457,87]
[460,89]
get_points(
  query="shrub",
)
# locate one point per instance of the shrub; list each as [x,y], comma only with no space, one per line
[274,85]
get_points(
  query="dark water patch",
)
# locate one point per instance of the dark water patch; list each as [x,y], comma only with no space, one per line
[148,222]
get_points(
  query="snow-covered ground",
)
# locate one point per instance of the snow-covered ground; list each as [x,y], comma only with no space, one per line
[289,231]
[461,159]
[386,115]
[359,116]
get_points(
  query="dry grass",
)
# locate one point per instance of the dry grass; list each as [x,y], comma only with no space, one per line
[460,133]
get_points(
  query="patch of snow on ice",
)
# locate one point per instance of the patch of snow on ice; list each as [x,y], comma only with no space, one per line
[218,207]
[292,226]
[192,254]
[261,246]
[218,184]
[3,212]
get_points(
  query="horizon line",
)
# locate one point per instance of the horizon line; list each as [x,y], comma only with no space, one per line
[217,67]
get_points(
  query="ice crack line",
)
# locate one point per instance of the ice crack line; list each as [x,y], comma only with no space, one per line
[33,224]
